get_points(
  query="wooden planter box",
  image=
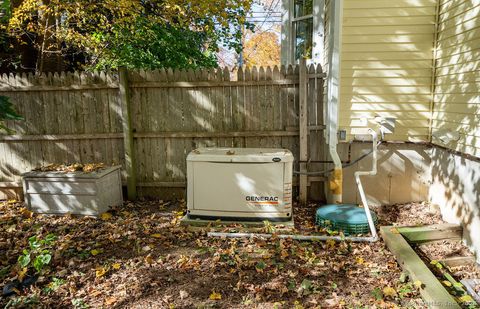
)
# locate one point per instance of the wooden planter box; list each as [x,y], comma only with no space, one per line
[75,193]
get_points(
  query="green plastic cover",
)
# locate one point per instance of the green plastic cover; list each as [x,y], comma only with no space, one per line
[348,218]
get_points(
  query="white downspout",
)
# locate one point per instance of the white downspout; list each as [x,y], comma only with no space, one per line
[333,92]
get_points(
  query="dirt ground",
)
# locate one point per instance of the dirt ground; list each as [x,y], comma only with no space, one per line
[138,256]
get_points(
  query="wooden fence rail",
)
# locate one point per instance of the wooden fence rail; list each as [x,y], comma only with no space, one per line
[81,117]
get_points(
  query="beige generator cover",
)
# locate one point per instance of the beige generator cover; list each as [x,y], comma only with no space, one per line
[240,184]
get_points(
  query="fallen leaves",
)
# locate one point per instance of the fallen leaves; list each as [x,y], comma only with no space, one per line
[183,294]
[389,292]
[330,243]
[106,216]
[70,168]
[186,263]
[466,299]
[105,260]
[215,296]
[26,213]
[100,271]
[360,260]
[109,301]
[418,284]
[95,252]
[116,266]
[21,273]
[149,259]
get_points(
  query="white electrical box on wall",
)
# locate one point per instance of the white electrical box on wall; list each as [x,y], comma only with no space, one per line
[239,184]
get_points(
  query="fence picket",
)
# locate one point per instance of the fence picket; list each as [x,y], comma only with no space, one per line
[78,117]
[76,105]
[239,108]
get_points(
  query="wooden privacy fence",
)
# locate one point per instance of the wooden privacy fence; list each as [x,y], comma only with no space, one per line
[83,117]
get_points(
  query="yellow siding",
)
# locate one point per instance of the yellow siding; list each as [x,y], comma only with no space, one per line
[457,77]
[386,68]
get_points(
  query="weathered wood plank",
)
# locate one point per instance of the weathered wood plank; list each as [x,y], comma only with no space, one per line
[303,116]
[66,123]
[144,158]
[152,84]
[239,110]
[128,135]
[156,124]
[115,122]
[176,164]
[248,76]
[77,108]
[260,107]
[254,115]
[100,150]
[458,261]
[60,137]
[106,120]
[471,286]
[315,131]
[89,101]
[267,108]
[434,294]
[418,234]
[166,184]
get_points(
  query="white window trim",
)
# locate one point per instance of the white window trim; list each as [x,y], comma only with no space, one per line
[302,17]
[293,30]
[288,33]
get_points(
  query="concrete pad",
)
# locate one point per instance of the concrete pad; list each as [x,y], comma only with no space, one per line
[186,221]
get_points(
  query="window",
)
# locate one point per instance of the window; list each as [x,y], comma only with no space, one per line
[303,8]
[302,25]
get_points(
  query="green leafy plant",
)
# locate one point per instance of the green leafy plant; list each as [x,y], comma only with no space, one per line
[260,266]
[377,293]
[7,112]
[79,304]
[139,34]
[306,287]
[269,227]
[154,46]
[54,285]
[38,253]
[406,290]
[4,272]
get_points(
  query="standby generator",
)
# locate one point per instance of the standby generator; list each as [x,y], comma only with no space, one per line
[239,184]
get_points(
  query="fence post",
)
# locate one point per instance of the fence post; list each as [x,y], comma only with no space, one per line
[127,133]
[303,82]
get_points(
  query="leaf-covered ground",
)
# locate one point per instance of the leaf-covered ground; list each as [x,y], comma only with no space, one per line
[138,256]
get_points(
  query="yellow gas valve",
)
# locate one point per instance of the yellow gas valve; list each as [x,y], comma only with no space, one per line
[336,181]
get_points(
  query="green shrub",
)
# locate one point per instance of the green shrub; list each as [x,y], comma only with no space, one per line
[7,112]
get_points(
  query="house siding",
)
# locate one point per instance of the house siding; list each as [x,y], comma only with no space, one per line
[386,66]
[457,78]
